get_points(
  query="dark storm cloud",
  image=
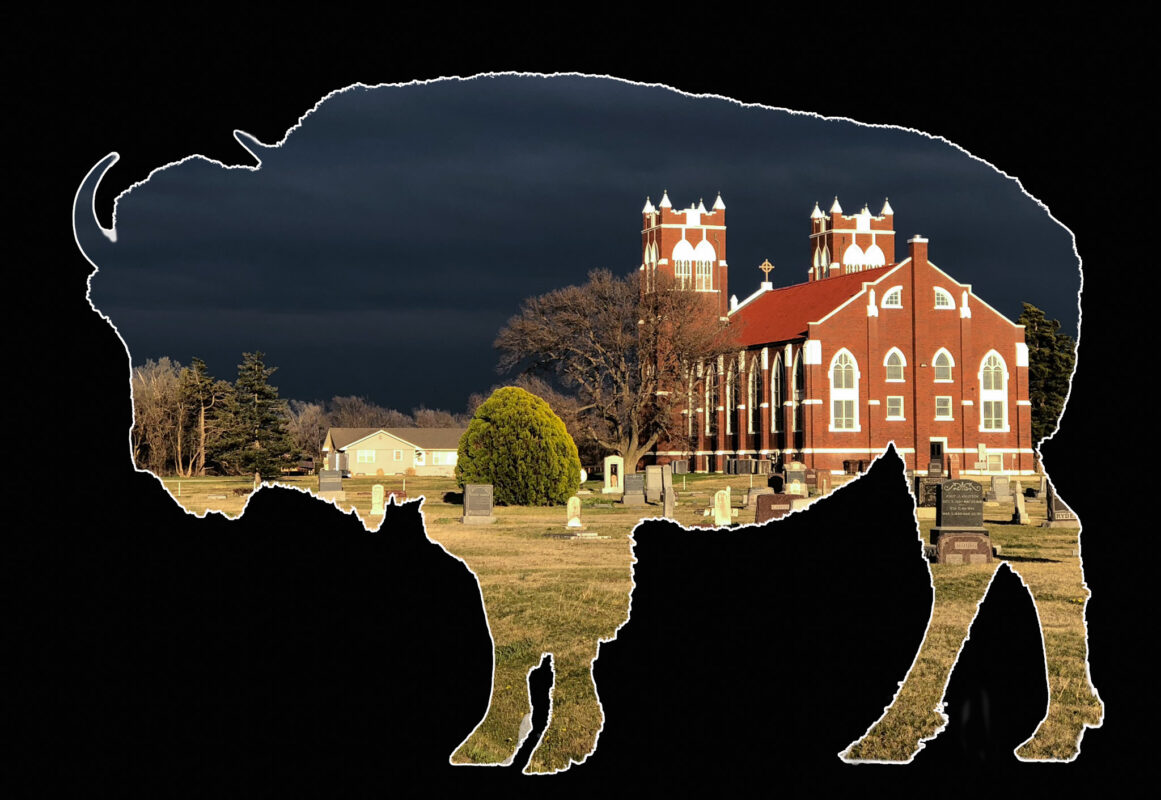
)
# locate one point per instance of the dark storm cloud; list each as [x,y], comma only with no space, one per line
[401,226]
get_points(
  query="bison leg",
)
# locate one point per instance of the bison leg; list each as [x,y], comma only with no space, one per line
[575,717]
[499,735]
[916,715]
[1061,596]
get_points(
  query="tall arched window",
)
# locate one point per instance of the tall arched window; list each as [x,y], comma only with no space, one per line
[754,397]
[799,390]
[681,272]
[777,396]
[943,363]
[711,402]
[894,362]
[704,276]
[844,392]
[993,393]
[731,396]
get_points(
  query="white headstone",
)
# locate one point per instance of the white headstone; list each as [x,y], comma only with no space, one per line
[584,475]
[614,475]
[574,508]
[722,514]
[377,499]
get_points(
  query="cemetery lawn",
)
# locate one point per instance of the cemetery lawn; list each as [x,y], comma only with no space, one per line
[560,596]
[1047,562]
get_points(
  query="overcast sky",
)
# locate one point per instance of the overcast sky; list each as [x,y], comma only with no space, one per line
[378,251]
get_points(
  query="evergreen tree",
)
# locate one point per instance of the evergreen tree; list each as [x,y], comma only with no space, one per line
[1051,357]
[254,437]
[516,443]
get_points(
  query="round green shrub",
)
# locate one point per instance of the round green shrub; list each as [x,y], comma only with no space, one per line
[516,443]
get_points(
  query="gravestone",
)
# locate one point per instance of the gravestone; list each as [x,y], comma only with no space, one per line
[614,475]
[762,466]
[653,483]
[680,466]
[478,504]
[257,479]
[634,494]
[811,477]
[574,510]
[927,491]
[795,479]
[668,493]
[1020,513]
[330,485]
[584,476]
[772,506]
[959,535]
[1001,490]
[753,495]
[723,515]
[935,469]
[824,480]
[1059,515]
[377,499]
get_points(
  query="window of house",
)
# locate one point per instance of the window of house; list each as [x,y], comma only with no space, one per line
[943,365]
[365,456]
[894,362]
[844,392]
[420,458]
[895,407]
[681,271]
[398,455]
[893,298]
[943,407]
[943,299]
[443,458]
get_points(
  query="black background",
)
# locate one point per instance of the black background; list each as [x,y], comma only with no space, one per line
[292,651]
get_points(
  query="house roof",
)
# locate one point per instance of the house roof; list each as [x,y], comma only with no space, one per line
[423,438]
[779,315]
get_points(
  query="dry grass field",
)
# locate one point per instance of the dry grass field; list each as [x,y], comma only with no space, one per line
[563,596]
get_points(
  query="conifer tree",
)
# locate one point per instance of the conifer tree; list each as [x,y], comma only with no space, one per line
[254,437]
[1051,357]
[516,443]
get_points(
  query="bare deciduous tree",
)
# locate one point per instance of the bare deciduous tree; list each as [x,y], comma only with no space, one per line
[620,352]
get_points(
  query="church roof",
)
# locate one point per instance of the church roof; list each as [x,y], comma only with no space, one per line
[780,315]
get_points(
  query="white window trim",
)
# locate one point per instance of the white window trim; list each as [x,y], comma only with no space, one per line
[940,292]
[886,366]
[398,455]
[851,394]
[902,415]
[887,297]
[950,408]
[364,456]
[993,395]
[950,358]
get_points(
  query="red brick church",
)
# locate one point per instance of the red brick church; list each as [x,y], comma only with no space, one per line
[866,352]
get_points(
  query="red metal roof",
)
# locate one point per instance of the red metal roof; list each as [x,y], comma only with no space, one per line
[782,314]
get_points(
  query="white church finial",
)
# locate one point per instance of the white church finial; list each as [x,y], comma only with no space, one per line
[648,209]
[665,200]
[718,204]
[701,206]
[887,210]
[835,207]
[817,213]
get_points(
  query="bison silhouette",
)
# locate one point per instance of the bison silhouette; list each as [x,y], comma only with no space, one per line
[331,298]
